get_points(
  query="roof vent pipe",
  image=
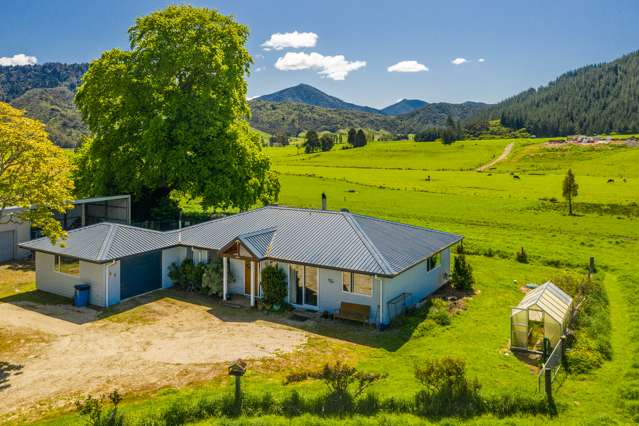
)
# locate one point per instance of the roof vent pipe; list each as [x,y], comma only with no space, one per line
[323,201]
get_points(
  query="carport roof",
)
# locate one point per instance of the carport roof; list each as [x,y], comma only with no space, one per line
[339,240]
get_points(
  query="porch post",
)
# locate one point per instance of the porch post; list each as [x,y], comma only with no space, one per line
[252,283]
[225,277]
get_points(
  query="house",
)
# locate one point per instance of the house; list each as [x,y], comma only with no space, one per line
[86,211]
[329,257]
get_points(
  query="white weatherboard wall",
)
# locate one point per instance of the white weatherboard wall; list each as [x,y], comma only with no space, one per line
[417,281]
[51,281]
[170,256]
[332,294]
[21,233]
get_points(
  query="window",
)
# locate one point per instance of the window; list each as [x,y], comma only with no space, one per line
[357,283]
[432,262]
[67,265]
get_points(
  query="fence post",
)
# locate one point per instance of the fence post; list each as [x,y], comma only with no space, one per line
[591,266]
[548,382]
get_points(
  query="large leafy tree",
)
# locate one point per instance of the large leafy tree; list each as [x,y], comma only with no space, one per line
[34,173]
[170,115]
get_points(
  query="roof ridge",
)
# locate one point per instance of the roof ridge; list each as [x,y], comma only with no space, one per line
[107,242]
[403,224]
[370,246]
[219,219]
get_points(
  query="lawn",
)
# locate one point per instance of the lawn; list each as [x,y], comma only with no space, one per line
[436,186]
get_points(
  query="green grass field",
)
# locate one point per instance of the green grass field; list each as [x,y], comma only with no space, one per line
[436,186]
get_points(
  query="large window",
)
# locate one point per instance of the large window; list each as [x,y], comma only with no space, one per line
[67,265]
[357,283]
[432,262]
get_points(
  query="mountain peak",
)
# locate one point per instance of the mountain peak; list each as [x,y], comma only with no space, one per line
[404,106]
[307,94]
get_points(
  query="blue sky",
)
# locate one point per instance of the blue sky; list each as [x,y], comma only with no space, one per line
[523,43]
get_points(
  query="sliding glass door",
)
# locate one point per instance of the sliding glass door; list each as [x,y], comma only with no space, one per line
[304,285]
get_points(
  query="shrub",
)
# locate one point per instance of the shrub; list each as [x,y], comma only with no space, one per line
[274,285]
[424,328]
[462,277]
[96,415]
[592,327]
[187,275]
[213,277]
[345,384]
[522,256]
[447,390]
[293,405]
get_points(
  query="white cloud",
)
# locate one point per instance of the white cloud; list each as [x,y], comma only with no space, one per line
[294,40]
[258,69]
[407,66]
[459,61]
[333,67]
[18,60]
[481,60]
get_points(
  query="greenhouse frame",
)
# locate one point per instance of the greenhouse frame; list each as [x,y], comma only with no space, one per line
[546,309]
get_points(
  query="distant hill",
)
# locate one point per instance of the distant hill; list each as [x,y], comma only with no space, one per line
[15,81]
[55,108]
[306,94]
[296,117]
[435,114]
[594,99]
[403,107]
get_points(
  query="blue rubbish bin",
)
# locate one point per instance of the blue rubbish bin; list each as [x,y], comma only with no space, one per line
[81,297]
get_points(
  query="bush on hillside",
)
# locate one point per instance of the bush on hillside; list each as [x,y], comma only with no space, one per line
[274,285]
[522,256]
[462,278]
[592,328]
[447,391]
[97,415]
[345,384]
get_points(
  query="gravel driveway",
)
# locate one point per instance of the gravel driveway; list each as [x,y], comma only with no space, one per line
[50,355]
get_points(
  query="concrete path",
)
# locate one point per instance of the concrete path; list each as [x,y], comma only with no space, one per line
[502,157]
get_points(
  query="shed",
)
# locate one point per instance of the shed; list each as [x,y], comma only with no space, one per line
[545,309]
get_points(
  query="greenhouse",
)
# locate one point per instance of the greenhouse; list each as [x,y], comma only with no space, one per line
[543,313]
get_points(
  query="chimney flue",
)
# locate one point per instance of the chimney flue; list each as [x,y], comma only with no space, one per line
[323,201]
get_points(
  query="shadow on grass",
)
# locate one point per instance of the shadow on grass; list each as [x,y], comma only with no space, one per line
[7,370]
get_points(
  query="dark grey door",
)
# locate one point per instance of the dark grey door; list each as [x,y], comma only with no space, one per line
[140,274]
[6,246]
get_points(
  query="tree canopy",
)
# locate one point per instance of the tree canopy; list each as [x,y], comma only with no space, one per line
[34,173]
[170,114]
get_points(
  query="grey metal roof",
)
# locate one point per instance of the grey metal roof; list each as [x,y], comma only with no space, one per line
[104,241]
[339,240]
[259,242]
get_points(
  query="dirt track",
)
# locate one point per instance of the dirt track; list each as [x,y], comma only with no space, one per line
[502,157]
[52,354]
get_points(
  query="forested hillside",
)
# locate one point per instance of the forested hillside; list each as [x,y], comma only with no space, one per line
[55,108]
[599,98]
[296,117]
[15,81]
